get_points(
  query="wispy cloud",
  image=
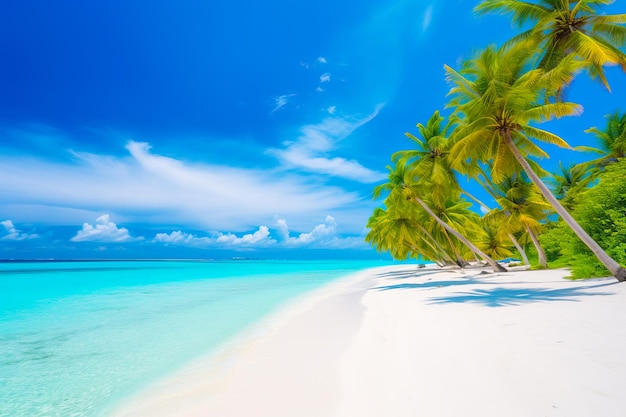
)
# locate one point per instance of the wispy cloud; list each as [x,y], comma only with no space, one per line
[13,234]
[281,101]
[331,109]
[325,77]
[428,17]
[146,187]
[309,152]
[321,60]
[103,231]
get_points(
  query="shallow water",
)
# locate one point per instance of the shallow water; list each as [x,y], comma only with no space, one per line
[76,338]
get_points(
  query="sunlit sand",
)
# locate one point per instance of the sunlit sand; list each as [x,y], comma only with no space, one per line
[404,341]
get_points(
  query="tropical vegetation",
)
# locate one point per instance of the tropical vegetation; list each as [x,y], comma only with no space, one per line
[492,137]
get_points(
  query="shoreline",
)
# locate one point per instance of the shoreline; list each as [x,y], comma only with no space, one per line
[405,341]
[179,393]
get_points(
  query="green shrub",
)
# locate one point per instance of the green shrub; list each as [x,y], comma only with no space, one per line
[602,213]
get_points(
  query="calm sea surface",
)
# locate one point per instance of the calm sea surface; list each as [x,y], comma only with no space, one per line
[78,337]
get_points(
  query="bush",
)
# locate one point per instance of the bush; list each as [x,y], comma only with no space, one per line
[602,213]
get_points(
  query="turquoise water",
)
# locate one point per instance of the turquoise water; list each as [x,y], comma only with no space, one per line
[78,337]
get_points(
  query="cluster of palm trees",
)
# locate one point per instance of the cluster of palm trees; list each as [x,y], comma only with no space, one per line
[497,99]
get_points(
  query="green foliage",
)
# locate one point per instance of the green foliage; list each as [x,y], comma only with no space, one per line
[602,213]
[555,233]
[568,28]
[612,140]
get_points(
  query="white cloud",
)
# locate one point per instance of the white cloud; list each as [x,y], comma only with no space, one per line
[304,64]
[321,60]
[183,239]
[260,238]
[14,234]
[281,101]
[146,187]
[331,109]
[325,77]
[319,232]
[309,152]
[323,236]
[104,231]
[319,89]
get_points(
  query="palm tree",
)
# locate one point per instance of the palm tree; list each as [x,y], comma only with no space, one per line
[428,163]
[398,231]
[522,209]
[567,27]
[498,100]
[428,168]
[491,241]
[400,180]
[569,183]
[612,140]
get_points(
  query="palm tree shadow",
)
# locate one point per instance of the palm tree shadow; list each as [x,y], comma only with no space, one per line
[501,297]
[407,274]
[429,284]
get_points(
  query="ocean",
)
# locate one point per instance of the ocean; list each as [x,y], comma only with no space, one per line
[78,338]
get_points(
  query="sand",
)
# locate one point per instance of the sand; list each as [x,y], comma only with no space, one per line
[404,341]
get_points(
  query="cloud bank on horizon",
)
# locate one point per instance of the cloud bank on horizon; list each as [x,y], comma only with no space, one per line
[322,236]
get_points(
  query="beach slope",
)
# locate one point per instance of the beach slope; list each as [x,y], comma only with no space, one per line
[407,341]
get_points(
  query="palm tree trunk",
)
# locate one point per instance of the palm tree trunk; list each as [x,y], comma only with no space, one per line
[519,248]
[496,267]
[618,271]
[435,245]
[459,259]
[543,260]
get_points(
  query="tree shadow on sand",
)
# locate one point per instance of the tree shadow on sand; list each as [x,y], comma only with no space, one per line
[501,297]
[409,274]
[436,283]
[429,284]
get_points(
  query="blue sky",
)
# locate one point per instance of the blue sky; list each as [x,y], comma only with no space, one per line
[146,129]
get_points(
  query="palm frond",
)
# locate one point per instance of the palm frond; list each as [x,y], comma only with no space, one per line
[522,11]
[460,84]
[588,149]
[610,32]
[549,111]
[595,50]
[546,136]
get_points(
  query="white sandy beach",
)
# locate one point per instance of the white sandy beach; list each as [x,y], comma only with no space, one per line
[402,341]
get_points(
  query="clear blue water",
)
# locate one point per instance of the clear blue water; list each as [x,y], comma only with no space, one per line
[78,337]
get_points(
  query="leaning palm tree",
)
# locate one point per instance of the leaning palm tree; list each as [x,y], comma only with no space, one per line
[491,241]
[400,180]
[428,169]
[398,230]
[428,162]
[567,27]
[498,99]
[522,208]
